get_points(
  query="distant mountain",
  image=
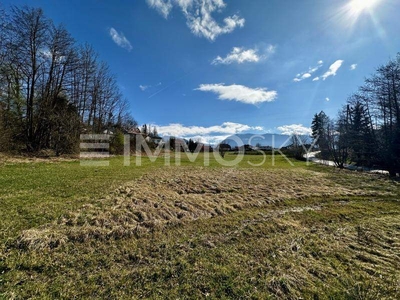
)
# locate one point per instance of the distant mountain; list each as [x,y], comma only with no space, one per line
[268,139]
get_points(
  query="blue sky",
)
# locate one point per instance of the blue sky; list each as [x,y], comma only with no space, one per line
[210,68]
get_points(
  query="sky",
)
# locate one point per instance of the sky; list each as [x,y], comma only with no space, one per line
[211,68]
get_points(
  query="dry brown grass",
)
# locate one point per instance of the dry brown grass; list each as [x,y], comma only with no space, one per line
[175,195]
[6,159]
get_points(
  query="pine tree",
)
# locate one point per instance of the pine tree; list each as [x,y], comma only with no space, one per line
[319,127]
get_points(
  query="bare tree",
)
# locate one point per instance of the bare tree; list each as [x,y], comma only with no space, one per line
[28,33]
[50,87]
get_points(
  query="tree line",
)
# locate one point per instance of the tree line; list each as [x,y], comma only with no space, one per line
[366,131]
[51,88]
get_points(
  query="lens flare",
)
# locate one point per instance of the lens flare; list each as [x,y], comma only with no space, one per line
[358,6]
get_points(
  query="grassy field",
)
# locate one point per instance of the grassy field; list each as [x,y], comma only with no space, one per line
[195,231]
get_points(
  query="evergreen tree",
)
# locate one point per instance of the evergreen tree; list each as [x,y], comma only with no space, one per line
[361,136]
[319,127]
[367,130]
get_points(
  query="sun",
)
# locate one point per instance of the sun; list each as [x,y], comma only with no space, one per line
[354,10]
[357,6]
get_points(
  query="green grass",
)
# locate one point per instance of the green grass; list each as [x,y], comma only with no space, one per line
[35,193]
[332,247]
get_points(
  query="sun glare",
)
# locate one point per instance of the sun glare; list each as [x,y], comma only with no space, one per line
[360,5]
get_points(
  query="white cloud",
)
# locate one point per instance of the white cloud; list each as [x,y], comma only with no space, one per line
[239,93]
[120,39]
[307,74]
[353,67]
[223,130]
[238,55]
[327,99]
[333,69]
[198,15]
[270,49]
[184,4]
[143,87]
[164,7]
[202,24]
[46,53]
[295,129]
[316,79]
[241,55]
[209,139]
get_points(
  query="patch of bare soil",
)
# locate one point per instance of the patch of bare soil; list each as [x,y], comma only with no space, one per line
[175,195]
